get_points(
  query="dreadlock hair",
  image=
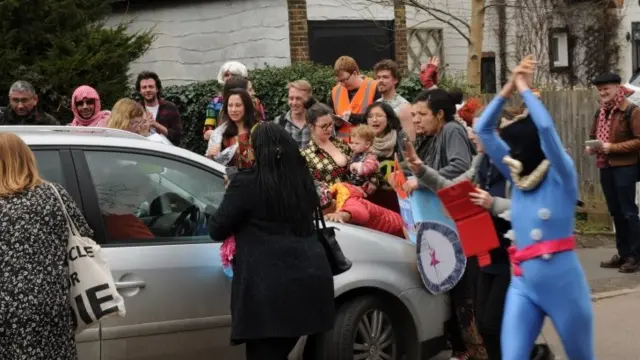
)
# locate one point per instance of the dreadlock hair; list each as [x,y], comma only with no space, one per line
[283,179]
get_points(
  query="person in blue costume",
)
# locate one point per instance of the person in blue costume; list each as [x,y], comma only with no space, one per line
[548,278]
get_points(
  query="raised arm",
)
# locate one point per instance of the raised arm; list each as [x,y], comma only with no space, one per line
[485,128]
[434,181]
[550,142]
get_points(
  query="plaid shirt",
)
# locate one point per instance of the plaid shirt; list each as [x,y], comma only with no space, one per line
[169,117]
[301,135]
[322,166]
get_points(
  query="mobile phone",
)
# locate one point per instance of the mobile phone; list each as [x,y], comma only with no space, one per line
[230,171]
[595,144]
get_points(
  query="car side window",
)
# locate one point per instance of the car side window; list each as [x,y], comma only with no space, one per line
[50,166]
[146,199]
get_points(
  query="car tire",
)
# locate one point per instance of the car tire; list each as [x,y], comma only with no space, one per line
[348,339]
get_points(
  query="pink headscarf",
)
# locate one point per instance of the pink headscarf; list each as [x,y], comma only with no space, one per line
[99,118]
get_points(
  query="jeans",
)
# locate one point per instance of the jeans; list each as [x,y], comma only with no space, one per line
[619,188]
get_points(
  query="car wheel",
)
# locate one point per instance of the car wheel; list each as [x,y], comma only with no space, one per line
[365,328]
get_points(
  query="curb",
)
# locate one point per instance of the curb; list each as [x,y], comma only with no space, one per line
[610,294]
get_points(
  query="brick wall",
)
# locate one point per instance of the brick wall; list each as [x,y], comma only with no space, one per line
[400,35]
[298,31]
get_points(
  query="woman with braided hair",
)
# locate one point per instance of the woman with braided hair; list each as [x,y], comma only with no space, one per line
[282,286]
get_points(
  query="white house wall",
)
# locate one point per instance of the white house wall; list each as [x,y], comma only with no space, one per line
[630,13]
[194,39]
[347,10]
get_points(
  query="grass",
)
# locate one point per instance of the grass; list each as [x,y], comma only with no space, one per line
[589,226]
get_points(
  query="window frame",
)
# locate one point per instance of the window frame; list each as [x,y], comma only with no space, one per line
[553,33]
[90,197]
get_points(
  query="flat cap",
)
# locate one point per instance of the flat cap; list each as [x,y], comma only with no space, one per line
[607,78]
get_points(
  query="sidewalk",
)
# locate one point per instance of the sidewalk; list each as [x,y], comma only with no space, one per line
[605,280]
[615,316]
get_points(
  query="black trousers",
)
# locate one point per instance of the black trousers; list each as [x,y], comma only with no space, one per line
[269,349]
[490,299]
[619,188]
[462,324]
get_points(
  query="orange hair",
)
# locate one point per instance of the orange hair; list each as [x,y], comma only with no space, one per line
[18,170]
[469,110]
[346,64]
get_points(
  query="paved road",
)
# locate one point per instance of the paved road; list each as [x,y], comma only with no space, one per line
[617,334]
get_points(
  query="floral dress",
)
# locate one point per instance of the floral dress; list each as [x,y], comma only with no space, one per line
[244,157]
[36,319]
[322,166]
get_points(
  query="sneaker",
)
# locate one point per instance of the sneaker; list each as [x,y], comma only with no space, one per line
[615,262]
[542,352]
[629,266]
[460,356]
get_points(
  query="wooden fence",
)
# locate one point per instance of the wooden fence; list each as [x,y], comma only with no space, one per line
[573,112]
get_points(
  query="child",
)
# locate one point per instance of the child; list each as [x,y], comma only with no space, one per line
[345,203]
[364,163]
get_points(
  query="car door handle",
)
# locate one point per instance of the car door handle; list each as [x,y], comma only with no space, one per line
[139,284]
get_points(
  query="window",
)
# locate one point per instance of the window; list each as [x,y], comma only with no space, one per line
[50,166]
[365,40]
[488,73]
[146,199]
[559,49]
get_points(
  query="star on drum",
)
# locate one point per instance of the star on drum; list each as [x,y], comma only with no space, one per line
[434,260]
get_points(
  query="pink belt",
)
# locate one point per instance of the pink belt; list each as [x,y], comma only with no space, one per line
[538,249]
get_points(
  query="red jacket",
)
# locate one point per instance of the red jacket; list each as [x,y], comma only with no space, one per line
[365,213]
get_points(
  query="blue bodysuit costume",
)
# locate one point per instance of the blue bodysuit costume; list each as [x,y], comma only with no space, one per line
[552,284]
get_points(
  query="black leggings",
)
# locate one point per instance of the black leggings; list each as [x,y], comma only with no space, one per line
[269,349]
[491,294]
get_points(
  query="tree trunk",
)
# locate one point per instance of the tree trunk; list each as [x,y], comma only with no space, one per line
[474,56]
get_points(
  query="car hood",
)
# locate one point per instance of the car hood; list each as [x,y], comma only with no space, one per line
[361,244]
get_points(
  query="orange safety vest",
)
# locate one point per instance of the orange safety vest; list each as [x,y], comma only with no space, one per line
[357,105]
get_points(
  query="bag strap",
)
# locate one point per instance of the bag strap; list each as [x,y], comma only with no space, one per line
[320,219]
[70,224]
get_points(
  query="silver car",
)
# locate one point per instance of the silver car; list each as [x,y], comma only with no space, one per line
[148,204]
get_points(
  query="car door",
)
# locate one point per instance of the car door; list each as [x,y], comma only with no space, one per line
[151,209]
[55,165]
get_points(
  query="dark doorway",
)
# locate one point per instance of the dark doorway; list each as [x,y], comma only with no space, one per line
[488,74]
[366,41]
[635,47]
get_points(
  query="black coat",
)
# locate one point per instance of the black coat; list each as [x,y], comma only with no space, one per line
[282,284]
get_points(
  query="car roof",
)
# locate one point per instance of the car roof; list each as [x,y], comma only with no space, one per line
[86,137]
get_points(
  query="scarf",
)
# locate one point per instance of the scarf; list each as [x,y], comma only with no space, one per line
[99,118]
[604,122]
[385,146]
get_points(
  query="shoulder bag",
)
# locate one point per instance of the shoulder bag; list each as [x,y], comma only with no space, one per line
[93,294]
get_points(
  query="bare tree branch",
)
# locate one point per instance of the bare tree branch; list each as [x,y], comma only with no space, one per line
[416,4]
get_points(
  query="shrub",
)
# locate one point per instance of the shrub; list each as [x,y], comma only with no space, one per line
[58,45]
[270,84]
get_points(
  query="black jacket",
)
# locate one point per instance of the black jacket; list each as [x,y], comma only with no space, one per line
[282,284]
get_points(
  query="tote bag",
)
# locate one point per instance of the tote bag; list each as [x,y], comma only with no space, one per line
[93,294]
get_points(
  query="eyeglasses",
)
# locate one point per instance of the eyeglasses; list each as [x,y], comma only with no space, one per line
[326,126]
[344,80]
[87,102]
